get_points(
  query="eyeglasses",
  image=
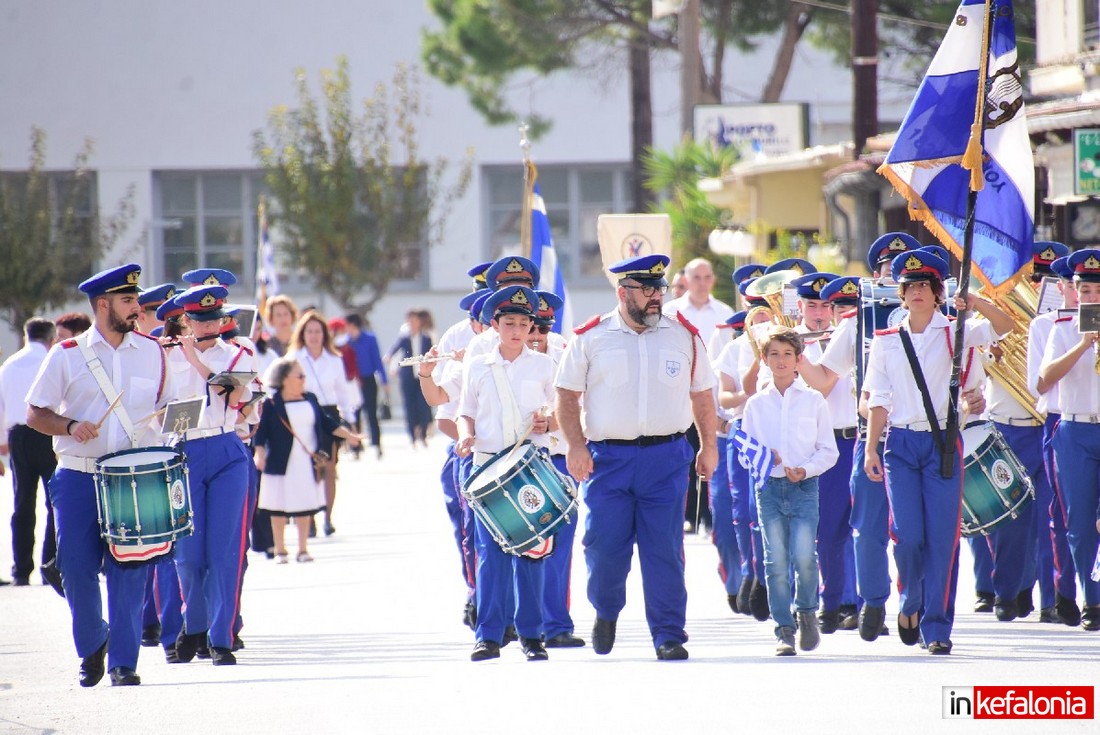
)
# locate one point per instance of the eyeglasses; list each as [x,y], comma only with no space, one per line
[647,291]
[150,309]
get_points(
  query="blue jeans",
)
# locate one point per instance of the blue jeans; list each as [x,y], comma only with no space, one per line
[788,519]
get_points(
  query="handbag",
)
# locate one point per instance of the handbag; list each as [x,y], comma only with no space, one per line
[320,457]
[385,413]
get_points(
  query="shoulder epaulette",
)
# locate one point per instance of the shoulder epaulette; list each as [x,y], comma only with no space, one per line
[146,336]
[850,313]
[951,317]
[1061,319]
[588,324]
[723,325]
[884,332]
[687,324]
[243,347]
[68,343]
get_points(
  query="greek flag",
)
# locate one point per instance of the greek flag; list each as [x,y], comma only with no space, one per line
[754,457]
[267,278]
[939,146]
[545,257]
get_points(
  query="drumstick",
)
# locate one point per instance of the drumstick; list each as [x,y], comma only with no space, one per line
[109,409]
[151,416]
[522,439]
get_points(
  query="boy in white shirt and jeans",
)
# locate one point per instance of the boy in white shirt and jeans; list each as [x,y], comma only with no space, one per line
[793,420]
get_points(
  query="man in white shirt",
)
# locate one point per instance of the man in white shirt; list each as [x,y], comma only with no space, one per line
[32,457]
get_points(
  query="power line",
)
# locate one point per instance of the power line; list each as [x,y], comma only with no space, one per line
[894,18]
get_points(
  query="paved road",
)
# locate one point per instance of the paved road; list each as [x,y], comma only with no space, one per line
[369,639]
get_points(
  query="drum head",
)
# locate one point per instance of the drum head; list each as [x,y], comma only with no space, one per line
[974,436]
[139,457]
[496,468]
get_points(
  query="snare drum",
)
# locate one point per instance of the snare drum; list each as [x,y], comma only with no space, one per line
[144,501]
[522,499]
[996,486]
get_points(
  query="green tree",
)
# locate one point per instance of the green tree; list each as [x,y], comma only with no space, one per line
[674,176]
[51,235]
[352,193]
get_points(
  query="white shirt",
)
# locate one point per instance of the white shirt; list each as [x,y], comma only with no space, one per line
[449,378]
[1080,387]
[840,354]
[795,423]
[137,370]
[705,318]
[457,337]
[1038,335]
[16,377]
[530,377]
[890,380]
[326,379]
[842,398]
[219,357]
[635,384]
[727,363]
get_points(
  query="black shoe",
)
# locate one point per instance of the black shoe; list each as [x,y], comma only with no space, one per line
[603,636]
[731,600]
[984,603]
[939,648]
[485,650]
[743,596]
[170,655]
[92,667]
[150,636]
[828,621]
[533,650]
[124,677]
[510,635]
[469,614]
[1024,604]
[329,529]
[1090,618]
[203,651]
[238,644]
[849,618]
[52,576]
[871,620]
[222,657]
[758,601]
[187,646]
[564,640]
[908,636]
[21,581]
[1067,610]
[1005,610]
[671,651]
[1047,615]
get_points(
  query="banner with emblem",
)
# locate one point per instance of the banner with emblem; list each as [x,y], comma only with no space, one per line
[624,236]
[940,153]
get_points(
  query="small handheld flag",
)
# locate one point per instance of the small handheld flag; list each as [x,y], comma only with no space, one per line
[754,456]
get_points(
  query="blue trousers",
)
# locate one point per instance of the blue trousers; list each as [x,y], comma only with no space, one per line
[723,534]
[501,578]
[1077,452]
[750,543]
[81,554]
[448,477]
[637,494]
[556,574]
[870,521]
[463,468]
[169,601]
[833,526]
[789,519]
[925,521]
[1065,572]
[209,561]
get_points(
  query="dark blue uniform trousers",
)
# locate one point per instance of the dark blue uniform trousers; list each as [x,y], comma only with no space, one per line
[723,534]
[209,561]
[81,553]
[870,521]
[463,468]
[833,526]
[452,501]
[1065,572]
[502,578]
[637,494]
[1077,452]
[1012,543]
[556,573]
[925,518]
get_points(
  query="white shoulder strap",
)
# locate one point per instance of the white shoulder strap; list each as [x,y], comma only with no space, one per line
[512,417]
[95,366]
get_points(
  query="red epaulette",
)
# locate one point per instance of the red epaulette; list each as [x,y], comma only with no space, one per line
[68,343]
[883,332]
[951,318]
[850,313]
[1059,320]
[724,325]
[146,336]
[687,324]
[588,324]
[243,347]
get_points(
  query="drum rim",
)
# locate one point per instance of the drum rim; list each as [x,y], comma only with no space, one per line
[139,450]
[523,459]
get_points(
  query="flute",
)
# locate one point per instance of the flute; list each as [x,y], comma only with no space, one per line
[418,359]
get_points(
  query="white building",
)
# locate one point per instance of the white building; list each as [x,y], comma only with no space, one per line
[171,93]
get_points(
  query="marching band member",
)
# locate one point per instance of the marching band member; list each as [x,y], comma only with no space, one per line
[1052,517]
[489,423]
[209,561]
[925,507]
[67,401]
[1070,360]
[644,377]
[511,270]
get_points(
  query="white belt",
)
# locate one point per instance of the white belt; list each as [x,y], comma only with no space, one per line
[1007,421]
[80,464]
[192,434]
[919,425]
[1081,418]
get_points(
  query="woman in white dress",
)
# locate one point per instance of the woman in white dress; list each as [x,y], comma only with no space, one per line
[292,427]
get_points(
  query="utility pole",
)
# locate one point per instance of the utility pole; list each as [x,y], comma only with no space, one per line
[689,65]
[864,72]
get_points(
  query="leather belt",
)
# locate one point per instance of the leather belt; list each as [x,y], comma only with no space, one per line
[1081,418]
[79,464]
[1008,421]
[848,432]
[643,441]
[192,434]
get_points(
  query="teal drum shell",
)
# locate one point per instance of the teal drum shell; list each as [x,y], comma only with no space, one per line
[996,485]
[143,496]
[522,499]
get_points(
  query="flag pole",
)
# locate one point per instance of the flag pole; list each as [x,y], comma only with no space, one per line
[530,174]
[261,224]
[972,160]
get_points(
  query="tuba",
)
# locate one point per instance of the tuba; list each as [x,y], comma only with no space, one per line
[770,288]
[1010,367]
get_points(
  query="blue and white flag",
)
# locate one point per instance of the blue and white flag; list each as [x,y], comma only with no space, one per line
[925,164]
[544,256]
[267,278]
[754,457]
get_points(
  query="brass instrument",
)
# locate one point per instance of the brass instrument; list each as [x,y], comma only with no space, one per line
[750,318]
[1010,367]
[770,288]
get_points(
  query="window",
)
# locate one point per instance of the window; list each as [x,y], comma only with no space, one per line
[1091,23]
[575,197]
